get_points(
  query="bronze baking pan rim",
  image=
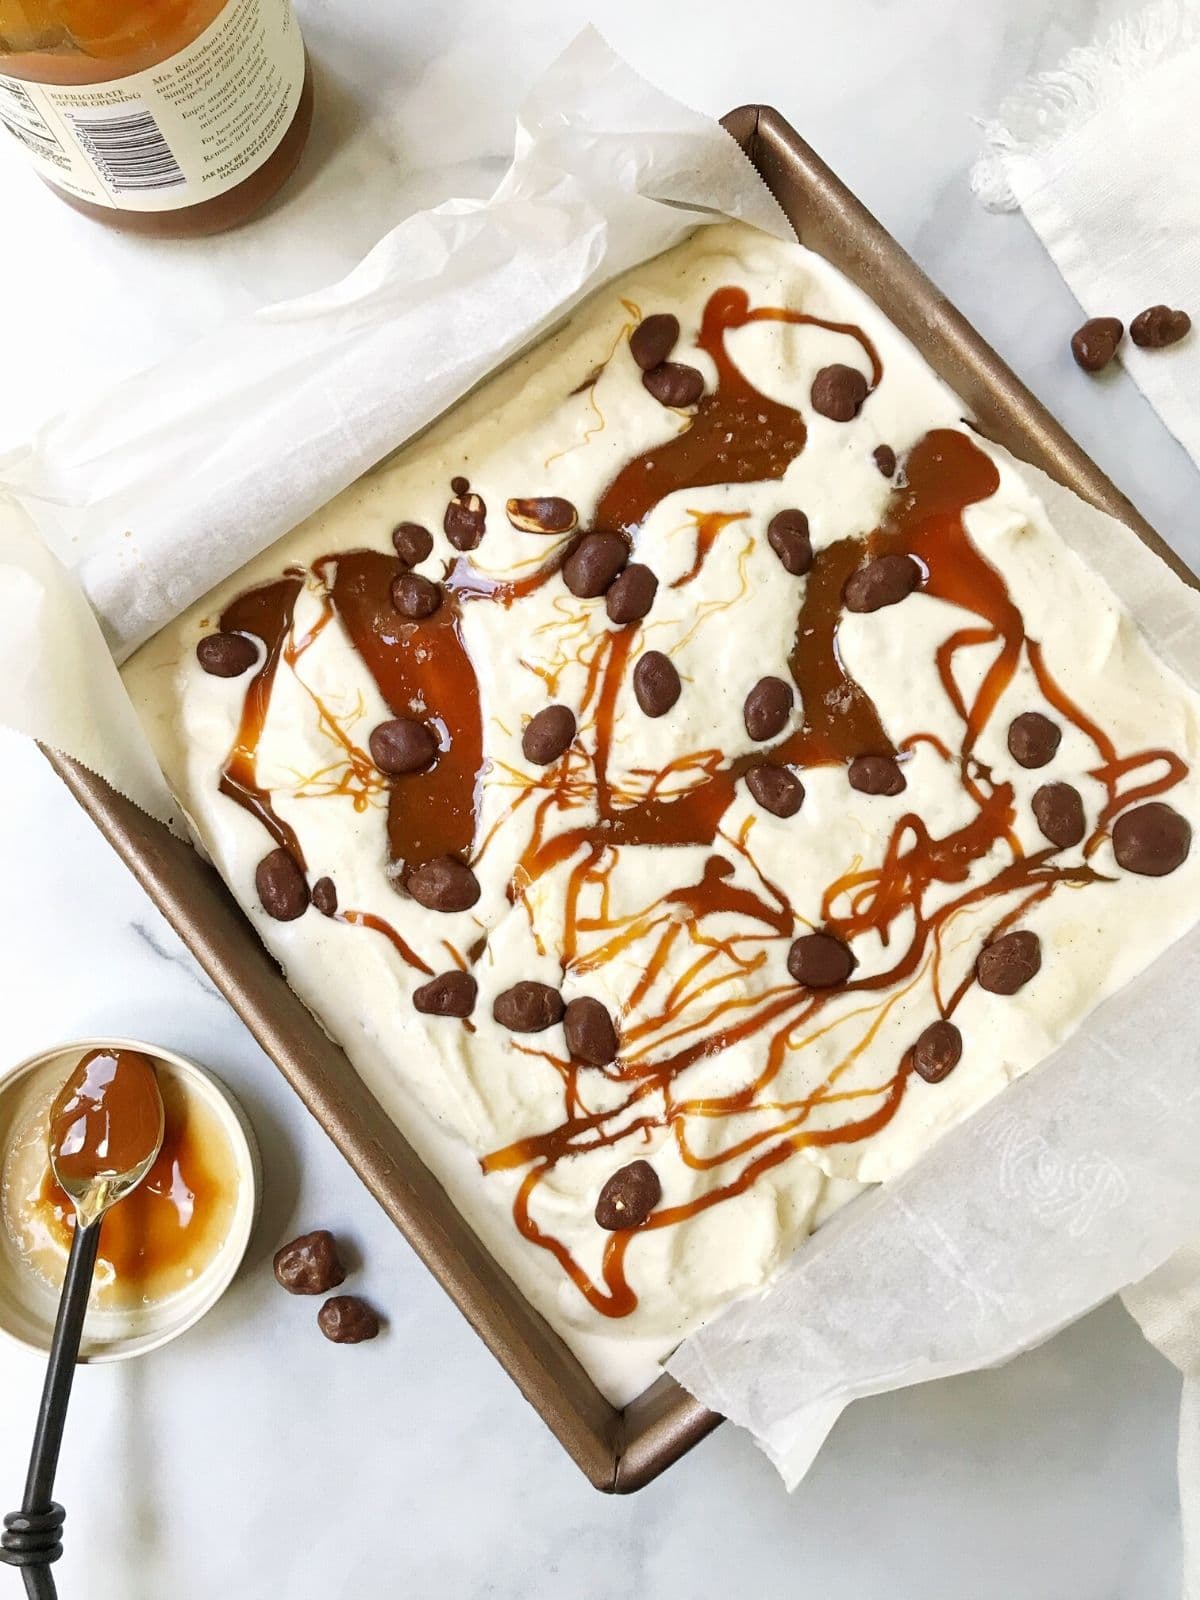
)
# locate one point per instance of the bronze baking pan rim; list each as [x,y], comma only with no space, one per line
[619,1451]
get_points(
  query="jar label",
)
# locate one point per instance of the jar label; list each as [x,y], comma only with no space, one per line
[177,134]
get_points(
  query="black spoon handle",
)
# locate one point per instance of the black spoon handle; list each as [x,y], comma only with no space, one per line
[32,1537]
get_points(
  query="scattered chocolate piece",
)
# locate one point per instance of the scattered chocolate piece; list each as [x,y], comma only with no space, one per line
[547,514]
[1159,326]
[767,708]
[1152,839]
[652,341]
[1095,344]
[465,520]
[631,594]
[876,775]
[656,683]
[838,392]
[309,1264]
[594,563]
[226,655]
[345,1319]
[413,543]
[415,596]
[1008,963]
[548,734]
[777,789]
[590,1032]
[819,961]
[628,1197]
[324,897]
[937,1052]
[1058,811]
[788,536]
[443,884]
[673,384]
[459,485]
[281,886]
[883,582]
[402,745]
[450,994]
[1033,739]
[884,458]
[528,1007]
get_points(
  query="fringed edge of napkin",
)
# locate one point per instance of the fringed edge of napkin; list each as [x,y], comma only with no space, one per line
[1092,78]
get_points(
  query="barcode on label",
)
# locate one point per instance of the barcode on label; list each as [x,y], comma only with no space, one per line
[128,150]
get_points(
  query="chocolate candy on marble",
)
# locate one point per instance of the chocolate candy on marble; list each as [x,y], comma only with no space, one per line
[309,1264]
[1095,344]
[345,1319]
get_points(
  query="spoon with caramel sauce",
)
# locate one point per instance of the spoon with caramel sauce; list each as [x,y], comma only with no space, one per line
[106,1128]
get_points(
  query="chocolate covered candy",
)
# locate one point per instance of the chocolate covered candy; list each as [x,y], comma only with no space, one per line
[528,1007]
[1009,962]
[450,994]
[820,961]
[628,1197]
[309,1264]
[548,734]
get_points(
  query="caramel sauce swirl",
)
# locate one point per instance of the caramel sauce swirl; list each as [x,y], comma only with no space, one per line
[712,989]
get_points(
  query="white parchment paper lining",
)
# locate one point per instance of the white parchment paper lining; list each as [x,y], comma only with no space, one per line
[1077,1181]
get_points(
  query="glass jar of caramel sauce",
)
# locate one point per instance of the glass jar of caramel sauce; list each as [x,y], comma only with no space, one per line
[166,117]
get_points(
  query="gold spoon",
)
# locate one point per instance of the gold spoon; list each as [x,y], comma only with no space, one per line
[106,1129]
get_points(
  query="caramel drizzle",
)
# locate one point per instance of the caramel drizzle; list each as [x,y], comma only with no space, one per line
[265,613]
[736,436]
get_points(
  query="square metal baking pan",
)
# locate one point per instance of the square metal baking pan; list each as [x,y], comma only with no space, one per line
[618,1450]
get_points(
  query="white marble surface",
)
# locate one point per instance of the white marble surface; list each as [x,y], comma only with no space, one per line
[251,1459]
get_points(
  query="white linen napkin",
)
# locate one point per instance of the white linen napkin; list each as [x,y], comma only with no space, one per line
[1103,157]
